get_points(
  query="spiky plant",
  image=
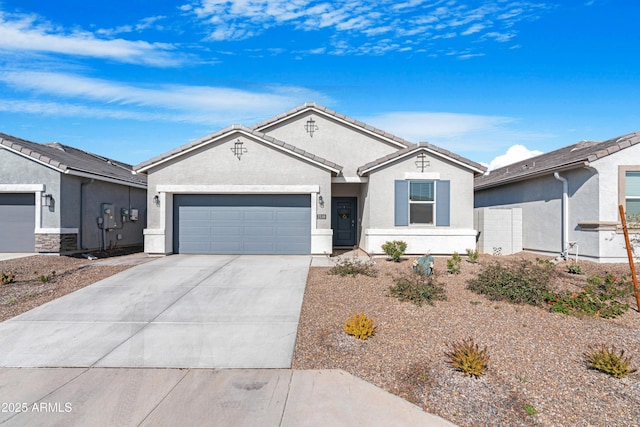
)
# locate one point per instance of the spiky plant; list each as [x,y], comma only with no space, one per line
[360,326]
[467,356]
[608,360]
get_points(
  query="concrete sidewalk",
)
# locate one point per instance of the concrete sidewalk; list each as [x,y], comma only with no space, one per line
[200,397]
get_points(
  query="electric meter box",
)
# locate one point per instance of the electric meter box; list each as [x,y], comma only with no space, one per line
[134,215]
[108,216]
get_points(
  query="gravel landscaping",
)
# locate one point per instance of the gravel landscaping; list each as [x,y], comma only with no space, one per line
[536,356]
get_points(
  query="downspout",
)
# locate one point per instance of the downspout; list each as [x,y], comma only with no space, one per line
[80,234]
[565,213]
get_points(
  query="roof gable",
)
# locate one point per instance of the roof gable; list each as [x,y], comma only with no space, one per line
[69,160]
[326,112]
[570,157]
[425,147]
[224,133]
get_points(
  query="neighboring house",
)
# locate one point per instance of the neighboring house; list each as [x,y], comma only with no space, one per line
[58,199]
[570,197]
[304,182]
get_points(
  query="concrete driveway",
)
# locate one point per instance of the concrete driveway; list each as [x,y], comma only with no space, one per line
[181,311]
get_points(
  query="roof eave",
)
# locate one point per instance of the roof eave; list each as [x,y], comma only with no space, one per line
[392,139]
[536,174]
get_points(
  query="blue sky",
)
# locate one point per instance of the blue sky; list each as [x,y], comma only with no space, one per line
[133,79]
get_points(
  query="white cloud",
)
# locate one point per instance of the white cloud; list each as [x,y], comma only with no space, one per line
[85,96]
[20,33]
[367,23]
[429,126]
[514,154]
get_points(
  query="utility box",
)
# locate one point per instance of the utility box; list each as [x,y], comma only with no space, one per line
[107,214]
[134,215]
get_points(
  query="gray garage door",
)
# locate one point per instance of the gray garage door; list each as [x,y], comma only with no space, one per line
[242,224]
[17,222]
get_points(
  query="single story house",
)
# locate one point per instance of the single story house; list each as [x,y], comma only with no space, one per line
[304,182]
[60,200]
[570,197]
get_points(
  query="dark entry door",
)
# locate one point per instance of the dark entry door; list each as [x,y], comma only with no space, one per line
[344,219]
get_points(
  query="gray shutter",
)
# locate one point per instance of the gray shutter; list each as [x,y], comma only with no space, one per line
[443,197]
[401,203]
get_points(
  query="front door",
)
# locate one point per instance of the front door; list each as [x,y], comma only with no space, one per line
[343,221]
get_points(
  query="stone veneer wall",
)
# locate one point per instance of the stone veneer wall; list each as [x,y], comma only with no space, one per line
[56,243]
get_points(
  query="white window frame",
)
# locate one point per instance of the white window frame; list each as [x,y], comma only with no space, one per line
[432,203]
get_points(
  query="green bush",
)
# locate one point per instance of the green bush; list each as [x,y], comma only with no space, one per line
[353,267]
[607,359]
[418,289]
[574,269]
[394,249]
[599,298]
[472,256]
[453,263]
[467,356]
[524,283]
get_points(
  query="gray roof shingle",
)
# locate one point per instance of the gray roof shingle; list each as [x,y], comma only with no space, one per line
[570,157]
[477,167]
[68,159]
[144,166]
[313,106]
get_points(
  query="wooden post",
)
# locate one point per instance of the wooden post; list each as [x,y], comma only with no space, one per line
[630,255]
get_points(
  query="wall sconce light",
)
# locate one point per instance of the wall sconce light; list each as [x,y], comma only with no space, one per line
[321,201]
[47,200]
[156,200]
[311,126]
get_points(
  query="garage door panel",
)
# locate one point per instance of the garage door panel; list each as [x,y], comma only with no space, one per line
[17,222]
[243,224]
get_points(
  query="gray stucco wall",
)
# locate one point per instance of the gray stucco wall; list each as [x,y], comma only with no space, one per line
[16,169]
[334,141]
[541,202]
[93,195]
[216,164]
[381,191]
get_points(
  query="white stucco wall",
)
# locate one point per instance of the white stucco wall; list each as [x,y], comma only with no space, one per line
[380,222]
[215,169]
[334,141]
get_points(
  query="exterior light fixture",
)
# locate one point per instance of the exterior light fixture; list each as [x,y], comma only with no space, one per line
[47,200]
[238,150]
[311,126]
[321,201]
[156,200]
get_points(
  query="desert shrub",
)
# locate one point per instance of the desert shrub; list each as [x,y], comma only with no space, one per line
[453,263]
[353,267]
[5,278]
[46,278]
[360,326]
[418,289]
[574,269]
[472,256]
[524,283]
[599,298]
[608,360]
[394,249]
[467,356]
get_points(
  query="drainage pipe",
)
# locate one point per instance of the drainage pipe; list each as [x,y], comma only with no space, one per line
[565,213]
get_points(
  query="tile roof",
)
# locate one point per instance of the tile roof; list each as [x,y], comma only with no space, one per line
[68,160]
[570,157]
[477,167]
[144,166]
[324,110]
